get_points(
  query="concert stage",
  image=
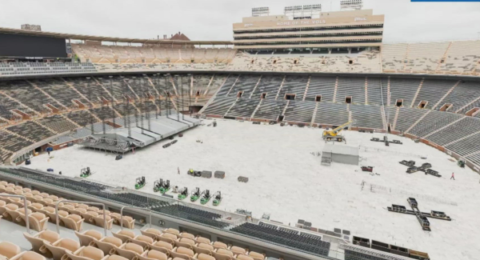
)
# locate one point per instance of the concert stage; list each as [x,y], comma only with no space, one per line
[133,133]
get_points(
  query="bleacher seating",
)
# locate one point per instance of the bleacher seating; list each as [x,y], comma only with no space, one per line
[331,114]
[28,95]
[13,143]
[351,87]
[82,117]
[62,93]
[403,89]
[407,117]
[300,111]
[90,89]
[295,85]
[219,106]
[57,123]
[461,95]
[377,91]
[37,109]
[270,109]
[433,90]
[7,105]
[4,154]
[31,131]
[475,158]
[86,242]
[433,121]
[217,82]
[42,68]
[465,146]
[245,84]
[271,233]
[462,128]
[424,57]
[104,112]
[352,255]
[229,83]
[270,86]
[200,83]
[462,57]
[243,108]
[457,57]
[321,86]
[365,61]
[393,57]
[149,54]
[367,116]
[197,215]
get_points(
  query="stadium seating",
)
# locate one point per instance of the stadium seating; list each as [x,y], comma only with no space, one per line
[424,57]
[13,143]
[42,68]
[295,85]
[35,110]
[269,85]
[461,95]
[31,131]
[244,86]
[367,116]
[243,108]
[463,127]
[352,255]
[82,117]
[351,87]
[457,57]
[433,121]
[193,214]
[377,89]
[403,89]
[323,87]
[300,111]
[331,114]
[433,91]
[293,239]
[406,117]
[219,106]
[270,109]
[58,123]
[461,58]
[149,54]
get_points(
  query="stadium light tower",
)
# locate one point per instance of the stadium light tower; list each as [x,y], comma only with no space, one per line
[260,11]
[303,11]
[351,4]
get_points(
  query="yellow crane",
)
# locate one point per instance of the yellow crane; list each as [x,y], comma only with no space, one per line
[333,135]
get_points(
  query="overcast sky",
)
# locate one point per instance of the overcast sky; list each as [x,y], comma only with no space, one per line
[213,19]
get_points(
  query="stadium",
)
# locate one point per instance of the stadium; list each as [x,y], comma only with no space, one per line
[304,137]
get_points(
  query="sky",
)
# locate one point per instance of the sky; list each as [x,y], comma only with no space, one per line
[213,19]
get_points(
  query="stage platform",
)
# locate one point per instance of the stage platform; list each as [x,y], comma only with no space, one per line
[134,133]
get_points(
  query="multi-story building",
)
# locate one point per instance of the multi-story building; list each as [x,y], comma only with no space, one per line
[330,32]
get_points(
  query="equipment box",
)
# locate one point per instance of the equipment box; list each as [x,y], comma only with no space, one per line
[361,241]
[380,246]
[219,174]
[242,179]
[206,174]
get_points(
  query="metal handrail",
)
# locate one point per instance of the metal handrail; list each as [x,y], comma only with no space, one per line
[84,202]
[121,217]
[24,206]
